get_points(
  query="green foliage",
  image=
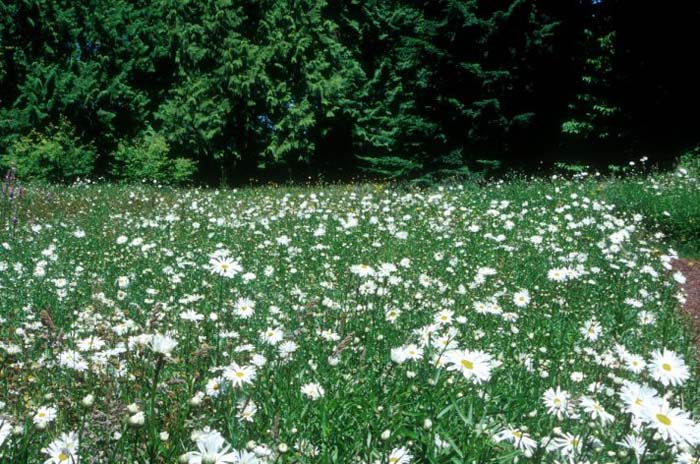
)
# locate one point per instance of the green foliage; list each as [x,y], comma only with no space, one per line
[419,89]
[147,158]
[593,112]
[690,161]
[55,155]
[261,87]
[441,77]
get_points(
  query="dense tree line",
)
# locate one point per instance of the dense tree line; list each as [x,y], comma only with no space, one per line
[231,89]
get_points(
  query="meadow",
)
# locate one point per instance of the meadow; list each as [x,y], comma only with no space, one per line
[523,321]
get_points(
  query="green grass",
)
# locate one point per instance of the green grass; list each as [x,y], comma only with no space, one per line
[669,202]
[450,262]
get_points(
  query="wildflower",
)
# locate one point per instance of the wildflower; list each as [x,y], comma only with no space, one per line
[646,318]
[679,277]
[72,360]
[566,443]
[399,456]
[191,316]
[271,336]
[246,409]
[287,349]
[211,449]
[591,330]
[5,430]
[362,270]
[521,440]
[673,424]
[214,387]
[474,365]
[636,444]
[413,352]
[392,314]
[313,390]
[557,275]
[239,375]
[637,397]
[63,450]
[224,266]
[44,416]
[521,299]
[668,368]
[557,402]
[245,308]
[162,344]
[444,316]
[634,363]
[596,410]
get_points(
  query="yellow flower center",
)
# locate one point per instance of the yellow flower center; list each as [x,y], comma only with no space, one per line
[240,374]
[556,402]
[666,366]
[663,419]
[393,460]
[517,434]
[467,364]
[62,457]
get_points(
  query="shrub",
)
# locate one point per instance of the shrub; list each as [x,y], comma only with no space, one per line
[148,158]
[690,161]
[55,155]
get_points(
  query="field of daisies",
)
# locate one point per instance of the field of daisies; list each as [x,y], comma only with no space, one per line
[518,322]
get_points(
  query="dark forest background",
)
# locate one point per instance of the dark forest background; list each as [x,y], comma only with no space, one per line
[228,90]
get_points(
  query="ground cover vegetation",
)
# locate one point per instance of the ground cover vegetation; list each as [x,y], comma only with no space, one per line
[527,320]
[226,90]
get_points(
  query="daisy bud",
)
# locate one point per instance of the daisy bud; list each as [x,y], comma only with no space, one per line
[137,419]
[88,400]
[386,434]
[196,400]
[282,448]
[133,408]
[164,436]
[427,424]
[251,444]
